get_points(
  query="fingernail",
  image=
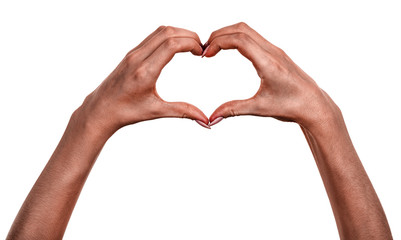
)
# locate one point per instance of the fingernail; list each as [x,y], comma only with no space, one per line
[206,44]
[202,124]
[204,52]
[216,121]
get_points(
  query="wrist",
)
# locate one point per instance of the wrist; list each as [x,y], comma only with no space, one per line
[84,126]
[78,148]
[322,114]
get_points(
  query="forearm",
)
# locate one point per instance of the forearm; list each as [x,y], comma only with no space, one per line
[356,207]
[127,96]
[49,205]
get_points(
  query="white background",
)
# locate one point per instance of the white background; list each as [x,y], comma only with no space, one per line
[248,177]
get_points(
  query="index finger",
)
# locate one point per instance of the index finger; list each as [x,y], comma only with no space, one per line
[244,44]
[150,46]
[166,51]
[147,38]
[242,27]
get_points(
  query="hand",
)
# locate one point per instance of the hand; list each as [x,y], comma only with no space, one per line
[286,92]
[128,95]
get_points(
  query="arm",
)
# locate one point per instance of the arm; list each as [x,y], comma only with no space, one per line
[127,96]
[289,94]
[356,207]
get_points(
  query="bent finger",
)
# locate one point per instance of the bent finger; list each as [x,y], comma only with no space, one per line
[167,32]
[183,110]
[244,44]
[166,51]
[147,39]
[243,28]
[234,108]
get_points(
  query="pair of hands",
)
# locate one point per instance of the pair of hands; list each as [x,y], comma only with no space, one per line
[128,95]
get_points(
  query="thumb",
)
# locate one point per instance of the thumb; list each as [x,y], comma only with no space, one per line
[233,108]
[185,110]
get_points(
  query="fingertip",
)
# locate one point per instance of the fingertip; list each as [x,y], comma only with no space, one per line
[198,50]
[215,121]
[211,50]
[215,115]
[196,114]
[205,51]
[221,111]
[197,38]
[184,110]
[202,117]
[205,45]
[202,124]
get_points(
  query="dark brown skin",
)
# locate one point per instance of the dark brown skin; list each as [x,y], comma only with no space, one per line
[128,95]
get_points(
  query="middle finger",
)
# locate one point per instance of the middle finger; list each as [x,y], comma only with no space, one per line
[168,32]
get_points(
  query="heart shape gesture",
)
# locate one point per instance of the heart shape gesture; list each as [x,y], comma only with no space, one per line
[128,95]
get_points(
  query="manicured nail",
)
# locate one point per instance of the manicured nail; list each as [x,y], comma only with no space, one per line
[204,52]
[204,45]
[202,124]
[216,121]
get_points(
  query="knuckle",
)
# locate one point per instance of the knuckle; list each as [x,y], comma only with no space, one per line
[265,62]
[233,112]
[186,111]
[169,30]
[171,43]
[130,58]
[194,35]
[242,26]
[142,72]
[231,109]
[280,51]
[161,27]
[212,36]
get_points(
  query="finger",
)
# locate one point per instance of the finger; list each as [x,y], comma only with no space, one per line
[147,39]
[166,51]
[167,32]
[183,110]
[243,28]
[234,108]
[245,45]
